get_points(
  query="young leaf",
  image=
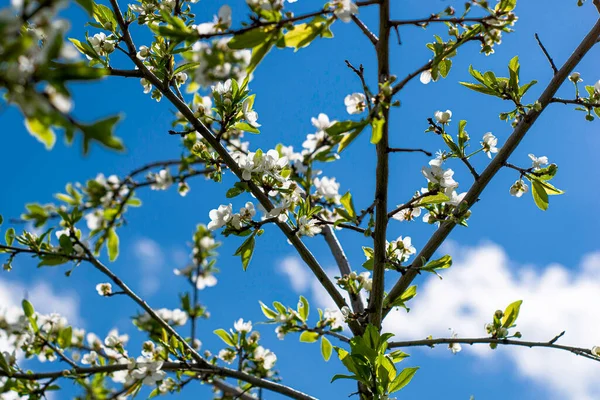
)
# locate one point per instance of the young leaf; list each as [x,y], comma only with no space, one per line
[403,379]
[27,308]
[267,311]
[376,130]
[225,337]
[326,348]
[303,308]
[511,314]
[346,201]
[42,132]
[309,337]
[539,195]
[245,251]
[112,244]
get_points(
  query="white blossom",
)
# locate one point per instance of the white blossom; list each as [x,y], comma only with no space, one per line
[575,77]
[518,188]
[597,87]
[162,180]
[537,162]
[205,280]
[321,122]
[90,358]
[267,357]
[143,52]
[308,227]
[443,117]
[102,44]
[425,77]
[489,144]
[222,88]
[242,326]
[220,217]
[328,188]
[104,289]
[454,347]
[149,372]
[355,103]
[403,248]
[344,9]
[435,174]
[249,115]
[408,214]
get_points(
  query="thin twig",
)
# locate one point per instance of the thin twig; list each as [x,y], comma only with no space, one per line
[365,29]
[403,150]
[550,60]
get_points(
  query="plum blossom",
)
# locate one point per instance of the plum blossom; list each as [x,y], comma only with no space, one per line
[519,188]
[435,174]
[344,9]
[355,103]
[328,188]
[162,180]
[222,88]
[454,347]
[267,357]
[220,217]
[149,372]
[90,358]
[104,289]
[402,248]
[321,122]
[102,44]
[249,115]
[537,162]
[308,227]
[489,144]
[443,117]
[408,214]
[242,326]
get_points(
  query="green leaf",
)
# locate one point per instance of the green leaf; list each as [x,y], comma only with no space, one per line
[245,250]
[303,308]
[349,138]
[65,337]
[101,131]
[340,376]
[225,337]
[42,132]
[513,69]
[433,199]
[246,127]
[112,244]
[346,201]
[303,34]
[326,348]
[267,311]
[27,308]
[441,263]
[540,197]
[104,15]
[9,236]
[249,39]
[511,314]
[260,51]
[185,67]
[341,127]
[403,379]
[479,88]
[66,244]
[4,365]
[309,337]
[88,6]
[377,130]
[506,5]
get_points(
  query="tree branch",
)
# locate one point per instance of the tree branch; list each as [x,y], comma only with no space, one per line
[403,150]
[382,174]
[550,60]
[365,29]
[343,265]
[505,342]
[206,133]
[495,165]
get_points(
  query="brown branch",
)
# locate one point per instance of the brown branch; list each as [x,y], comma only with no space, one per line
[435,18]
[579,102]
[365,29]
[492,169]
[580,351]
[403,150]
[343,264]
[550,60]
[127,73]
[381,174]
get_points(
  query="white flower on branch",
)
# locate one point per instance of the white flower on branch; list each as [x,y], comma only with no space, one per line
[597,88]
[242,326]
[328,188]
[425,77]
[102,44]
[355,103]
[220,217]
[344,9]
[222,88]
[575,77]
[443,117]
[408,214]
[454,347]
[402,248]
[104,289]
[308,227]
[537,162]
[249,115]
[519,188]
[143,52]
[489,144]
[227,355]
[435,174]
[321,122]
[90,358]
[162,180]
[265,356]
[149,372]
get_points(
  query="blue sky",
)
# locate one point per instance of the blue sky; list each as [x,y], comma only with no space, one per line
[519,244]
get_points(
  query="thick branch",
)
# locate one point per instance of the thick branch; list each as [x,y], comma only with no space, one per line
[382,174]
[492,169]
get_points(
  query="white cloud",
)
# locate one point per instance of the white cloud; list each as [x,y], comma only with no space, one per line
[483,279]
[151,259]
